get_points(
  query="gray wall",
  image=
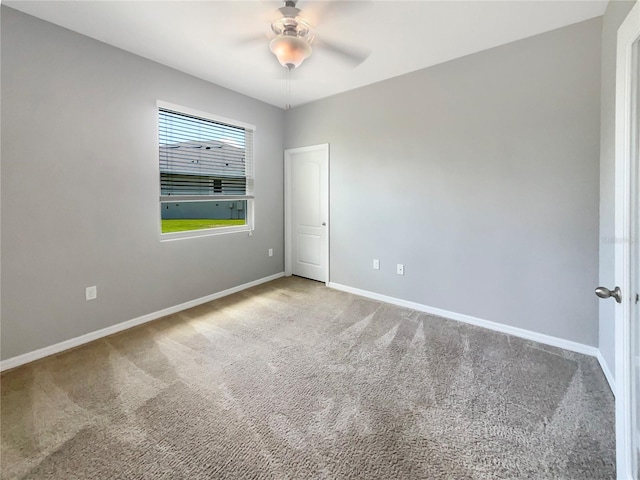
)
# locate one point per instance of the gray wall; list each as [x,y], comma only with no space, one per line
[613,17]
[80,188]
[480,175]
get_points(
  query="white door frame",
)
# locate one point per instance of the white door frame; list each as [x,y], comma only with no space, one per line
[288,230]
[627,35]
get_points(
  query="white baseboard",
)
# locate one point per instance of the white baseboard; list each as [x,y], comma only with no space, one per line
[498,327]
[89,337]
[607,372]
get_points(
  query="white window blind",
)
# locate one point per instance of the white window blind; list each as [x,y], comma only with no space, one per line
[202,159]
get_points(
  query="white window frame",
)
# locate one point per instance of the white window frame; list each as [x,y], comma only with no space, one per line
[205,232]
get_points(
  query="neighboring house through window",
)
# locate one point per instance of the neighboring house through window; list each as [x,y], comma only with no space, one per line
[206,172]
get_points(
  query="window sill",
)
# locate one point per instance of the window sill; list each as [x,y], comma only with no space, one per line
[205,232]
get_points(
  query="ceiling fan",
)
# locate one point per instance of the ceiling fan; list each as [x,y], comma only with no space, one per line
[294,37]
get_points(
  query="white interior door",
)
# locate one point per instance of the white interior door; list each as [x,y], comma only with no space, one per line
[634,267]
[627,252]
[307,212]
[634,327]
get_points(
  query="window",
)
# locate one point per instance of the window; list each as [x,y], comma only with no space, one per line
[206,172]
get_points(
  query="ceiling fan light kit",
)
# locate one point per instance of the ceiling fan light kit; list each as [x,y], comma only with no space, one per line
[290,51]
[292,43]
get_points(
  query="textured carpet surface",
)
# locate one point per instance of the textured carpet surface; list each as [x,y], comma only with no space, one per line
[292,380]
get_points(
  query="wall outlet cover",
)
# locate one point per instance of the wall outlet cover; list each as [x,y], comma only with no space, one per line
[91,293]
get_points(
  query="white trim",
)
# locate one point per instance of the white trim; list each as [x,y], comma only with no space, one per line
[104,332]
[202,114]
[288,212]
[607,372]
[479,322]
[328,249]
[628,33]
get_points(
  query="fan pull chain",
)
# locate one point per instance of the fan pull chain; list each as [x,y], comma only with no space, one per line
[288,90]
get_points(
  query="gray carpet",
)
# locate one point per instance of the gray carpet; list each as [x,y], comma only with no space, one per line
[292,380]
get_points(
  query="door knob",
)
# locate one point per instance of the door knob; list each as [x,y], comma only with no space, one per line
[603,292]
[324,224]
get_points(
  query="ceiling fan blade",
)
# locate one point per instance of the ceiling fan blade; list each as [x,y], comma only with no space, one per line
[352,55]
[249,39]
[327,10]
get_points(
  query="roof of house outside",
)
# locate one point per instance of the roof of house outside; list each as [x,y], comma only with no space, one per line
[210,158]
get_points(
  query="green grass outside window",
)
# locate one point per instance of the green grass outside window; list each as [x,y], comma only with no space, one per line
[186,224]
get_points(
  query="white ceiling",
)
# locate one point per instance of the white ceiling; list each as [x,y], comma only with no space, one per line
[202,38]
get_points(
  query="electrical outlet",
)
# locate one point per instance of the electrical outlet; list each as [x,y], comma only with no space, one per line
[271,252]
[376,264]
[400,269]
[91,293]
